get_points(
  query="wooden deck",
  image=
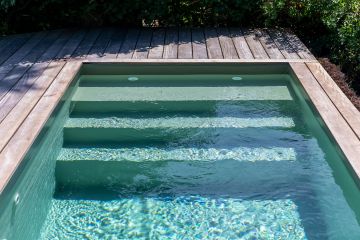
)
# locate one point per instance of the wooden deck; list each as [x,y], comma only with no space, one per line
[36,69]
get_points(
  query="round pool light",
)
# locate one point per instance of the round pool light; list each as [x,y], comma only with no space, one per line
[16,198]
[236,78]
[133,79]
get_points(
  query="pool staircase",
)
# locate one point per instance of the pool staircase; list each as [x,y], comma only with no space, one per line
[157,160]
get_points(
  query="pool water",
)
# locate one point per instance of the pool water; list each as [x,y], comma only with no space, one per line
[198,156]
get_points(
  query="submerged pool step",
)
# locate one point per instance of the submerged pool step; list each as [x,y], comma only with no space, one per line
[182,80]
[150,169]
[267,108]
[179,122]
[116,130]
[177,154]
[237,93]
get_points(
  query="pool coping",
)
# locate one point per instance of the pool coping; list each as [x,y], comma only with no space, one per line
[336,110]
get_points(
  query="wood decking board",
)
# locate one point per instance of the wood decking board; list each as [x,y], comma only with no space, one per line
[157,44]
[227,44]
[29,78]
[101,43]
[10,44]
[253,40]
[143,44]
[5,41]
[87,43]
[269,45]
[298,46]
[342,103]
[127,49]
[27,62]
[241,46]
[198,43]
[213,44]
[115,44]
[18,56]
[36,69]
[18,114]
[282,44]
[185,46]
[71,45]
[171,44]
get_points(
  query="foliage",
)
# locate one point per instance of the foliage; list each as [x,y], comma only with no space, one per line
[25,15]
[329,27]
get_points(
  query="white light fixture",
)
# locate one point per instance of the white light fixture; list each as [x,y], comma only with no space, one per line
[132,79]
[236,78]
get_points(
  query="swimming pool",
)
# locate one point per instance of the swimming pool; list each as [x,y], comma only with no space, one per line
[199,151]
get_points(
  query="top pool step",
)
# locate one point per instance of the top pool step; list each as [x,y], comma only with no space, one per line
[182,80]
[234,93]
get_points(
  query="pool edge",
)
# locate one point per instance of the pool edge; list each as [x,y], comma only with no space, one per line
[15,149]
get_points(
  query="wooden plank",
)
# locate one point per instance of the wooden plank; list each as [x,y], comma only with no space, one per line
[180,61]
[28,80]
[128,47]
[198,44]
[15,74]
[83,49]
[9,45]
[227,44]
[17,57]
[157,43]
[343,134]
[282,44]
[14,152]
[241,46]
[213,44]
[185,48]
[339,99]
[255,45]
[10,121]
[115,43]
[268,44]
[171,43]
[55,47]
[298,46]
[5,41]
[143,44]
[17,115]
[68,50]
[71,45]
[98,48]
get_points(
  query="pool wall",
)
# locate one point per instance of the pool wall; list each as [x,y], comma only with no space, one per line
[27,197]
[337,161]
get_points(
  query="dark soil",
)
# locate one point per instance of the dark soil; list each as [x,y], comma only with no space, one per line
[341,80]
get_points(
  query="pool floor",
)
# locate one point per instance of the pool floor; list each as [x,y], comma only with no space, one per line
[196,159]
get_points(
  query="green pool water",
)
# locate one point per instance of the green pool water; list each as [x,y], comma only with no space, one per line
[183,152]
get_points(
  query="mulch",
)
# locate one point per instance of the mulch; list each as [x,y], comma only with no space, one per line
[341,80]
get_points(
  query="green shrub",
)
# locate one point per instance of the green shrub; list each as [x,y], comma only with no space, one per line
[347,51]
[25,15]
[329,27]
